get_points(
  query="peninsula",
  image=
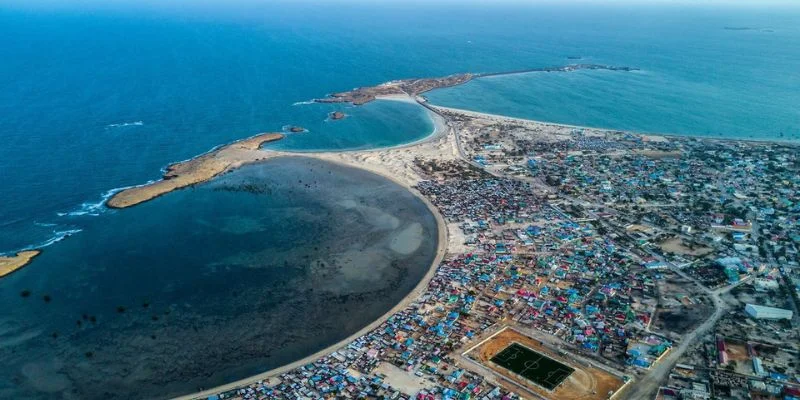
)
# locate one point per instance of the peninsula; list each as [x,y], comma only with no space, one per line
[10,264]
[415,87]
[234,155]
[231,156]
[197,170]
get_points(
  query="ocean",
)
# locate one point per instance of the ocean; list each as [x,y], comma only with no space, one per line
[95,97]
[248,272]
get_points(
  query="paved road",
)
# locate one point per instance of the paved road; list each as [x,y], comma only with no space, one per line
[647,386]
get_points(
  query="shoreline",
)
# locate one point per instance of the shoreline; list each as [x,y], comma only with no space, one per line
[439,127]
[11,264]
[654,135]
[228,157]
[418,86]
[414,295]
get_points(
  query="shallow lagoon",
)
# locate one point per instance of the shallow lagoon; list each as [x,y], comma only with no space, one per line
[248,272]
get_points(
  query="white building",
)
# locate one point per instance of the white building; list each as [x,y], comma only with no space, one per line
[762,312]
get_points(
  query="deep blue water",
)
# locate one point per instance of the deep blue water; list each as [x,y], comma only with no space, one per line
[248,272]
[190,79]
[94,98]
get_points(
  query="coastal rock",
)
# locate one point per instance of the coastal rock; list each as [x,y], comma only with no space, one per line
[197,170]
[337,115]
[11,264]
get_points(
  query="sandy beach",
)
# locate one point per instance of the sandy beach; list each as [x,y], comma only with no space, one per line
[11,264]
[418,291]
[197,170]
[648,136]
[396,164]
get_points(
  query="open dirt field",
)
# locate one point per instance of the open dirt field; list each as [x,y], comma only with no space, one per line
[676,246]
[585,382]
[737,352]
[405,381]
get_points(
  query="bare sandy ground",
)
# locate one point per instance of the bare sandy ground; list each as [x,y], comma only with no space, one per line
[403,380]
[676,246]
[10,264]
[561,129]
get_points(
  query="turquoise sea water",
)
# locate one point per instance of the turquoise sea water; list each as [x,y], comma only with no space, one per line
[657,100]
[94,98]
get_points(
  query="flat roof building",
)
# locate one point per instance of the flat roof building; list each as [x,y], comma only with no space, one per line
[762,312]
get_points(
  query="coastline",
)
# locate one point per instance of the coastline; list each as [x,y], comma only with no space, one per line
[196,170]
[417,86]
[11,264]
[236,154]
[651,135]
[416,293]
[387,163]
[439,127]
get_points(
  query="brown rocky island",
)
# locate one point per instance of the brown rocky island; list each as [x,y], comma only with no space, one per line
[10,264]
[411,87]
[197,170]
[337,115]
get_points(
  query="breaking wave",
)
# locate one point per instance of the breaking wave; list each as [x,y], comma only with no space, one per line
[92,209]
[124,124]
[288,129]
[57,237]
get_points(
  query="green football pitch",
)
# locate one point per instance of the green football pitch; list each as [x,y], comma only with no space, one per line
[535,367]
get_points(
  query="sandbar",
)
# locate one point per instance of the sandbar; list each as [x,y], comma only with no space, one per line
[10,264]
[197,170]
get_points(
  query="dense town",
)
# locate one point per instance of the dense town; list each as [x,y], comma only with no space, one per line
[645,266]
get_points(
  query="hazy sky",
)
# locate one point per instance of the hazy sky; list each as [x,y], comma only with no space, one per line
[215,9]
[78,3]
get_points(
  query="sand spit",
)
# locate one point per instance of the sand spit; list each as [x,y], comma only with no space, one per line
[11,264]
[197,170]
[415,87]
